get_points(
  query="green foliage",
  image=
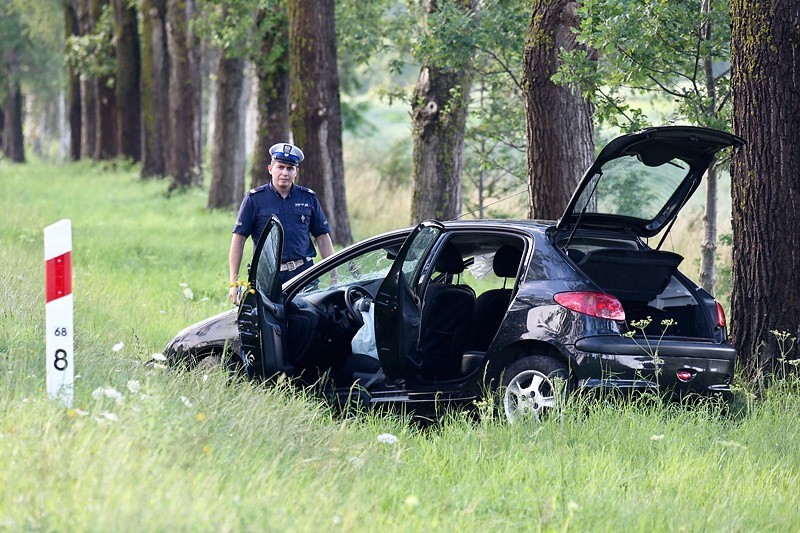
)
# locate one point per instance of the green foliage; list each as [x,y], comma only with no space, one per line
[93,54]
[656,48]
[36,31]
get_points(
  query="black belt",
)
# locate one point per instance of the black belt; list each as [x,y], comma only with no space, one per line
[294,265]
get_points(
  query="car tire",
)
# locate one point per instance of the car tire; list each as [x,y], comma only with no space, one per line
[532,387]
[208,361]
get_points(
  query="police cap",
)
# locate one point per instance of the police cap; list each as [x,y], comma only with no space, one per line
[287,152]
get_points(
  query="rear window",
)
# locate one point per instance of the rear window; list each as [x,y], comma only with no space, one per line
[626,187]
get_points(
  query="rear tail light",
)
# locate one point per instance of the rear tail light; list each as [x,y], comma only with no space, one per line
[596,304]
[685,375]
[721,320]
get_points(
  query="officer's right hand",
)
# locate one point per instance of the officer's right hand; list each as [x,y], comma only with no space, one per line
[233,295]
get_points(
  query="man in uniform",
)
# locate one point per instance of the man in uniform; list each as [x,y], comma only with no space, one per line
[297,208]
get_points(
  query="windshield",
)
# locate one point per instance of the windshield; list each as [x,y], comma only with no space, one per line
[626,187]
[371,265]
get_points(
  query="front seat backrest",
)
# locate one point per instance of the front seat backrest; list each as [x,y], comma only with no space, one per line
[446,313]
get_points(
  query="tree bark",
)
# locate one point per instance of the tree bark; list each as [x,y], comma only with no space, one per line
[228,150]
[315,116]
[438,126]
[128,95]
[155,88]
[13,140]
[183,162]
[558,119]
[708,250]
[88,89]
[72,29]
[766,182]
[105,144]
[272,70]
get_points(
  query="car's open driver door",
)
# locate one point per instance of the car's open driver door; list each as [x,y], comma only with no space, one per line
[262,320]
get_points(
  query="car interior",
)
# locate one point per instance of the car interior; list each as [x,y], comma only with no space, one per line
[647,283]
[471,286]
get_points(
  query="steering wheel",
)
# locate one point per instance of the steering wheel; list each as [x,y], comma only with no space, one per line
[352,299]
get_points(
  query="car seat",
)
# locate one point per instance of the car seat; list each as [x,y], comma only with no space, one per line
[447,310]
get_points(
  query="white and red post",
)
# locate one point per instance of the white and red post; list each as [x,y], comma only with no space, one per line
[58,310]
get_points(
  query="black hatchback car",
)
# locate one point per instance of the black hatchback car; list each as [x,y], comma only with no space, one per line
[447,312]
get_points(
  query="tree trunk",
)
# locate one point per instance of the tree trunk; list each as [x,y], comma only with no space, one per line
[183,162]
[228,150]
[13,140]
[272,70]
[105,144]
[88,90]
[155,88]
[128,95]
[708,250]
[558,119]
[72,29]
[766,182]
[315,115]
[438,126]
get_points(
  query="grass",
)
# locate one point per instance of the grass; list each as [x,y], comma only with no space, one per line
[145,448]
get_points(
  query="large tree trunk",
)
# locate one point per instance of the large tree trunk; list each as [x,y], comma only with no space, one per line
[128,96]
[88,90]
[183,162]
[72,29]
[106,145]
[228,150]
[13,140]
[155,88]
[558,119]
[315,116]
[272,70]
[766,182]
[438,125]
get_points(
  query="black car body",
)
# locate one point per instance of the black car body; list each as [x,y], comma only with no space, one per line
[463,308]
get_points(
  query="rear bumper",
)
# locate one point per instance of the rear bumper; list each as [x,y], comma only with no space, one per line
[679,366]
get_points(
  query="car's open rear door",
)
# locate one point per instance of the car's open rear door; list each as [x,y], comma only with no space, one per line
[262,320]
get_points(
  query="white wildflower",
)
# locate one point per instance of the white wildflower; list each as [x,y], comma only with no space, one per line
[133,386]
[186,401]
[657,437]
[188,294]
[107,416]
[119,346]
[184,284]
[97,393]
[387,438]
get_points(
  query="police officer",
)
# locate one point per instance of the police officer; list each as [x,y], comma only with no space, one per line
[297,208]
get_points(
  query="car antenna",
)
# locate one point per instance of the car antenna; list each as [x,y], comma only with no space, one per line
[459,217]
[583,211]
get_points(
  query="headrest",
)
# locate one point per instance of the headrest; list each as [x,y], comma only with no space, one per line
[450,260]
[506,261]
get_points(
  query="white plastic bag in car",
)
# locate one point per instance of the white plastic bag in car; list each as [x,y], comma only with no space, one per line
[364,339]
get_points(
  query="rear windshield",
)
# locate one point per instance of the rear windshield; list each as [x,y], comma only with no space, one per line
[627,187]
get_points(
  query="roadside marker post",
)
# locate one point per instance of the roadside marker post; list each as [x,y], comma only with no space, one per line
[58,311]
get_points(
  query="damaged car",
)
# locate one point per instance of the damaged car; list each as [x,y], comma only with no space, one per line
[440,315]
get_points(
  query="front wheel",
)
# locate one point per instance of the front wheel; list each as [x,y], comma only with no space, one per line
[533,386]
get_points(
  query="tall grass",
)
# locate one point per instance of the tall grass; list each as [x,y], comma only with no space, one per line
[145,448]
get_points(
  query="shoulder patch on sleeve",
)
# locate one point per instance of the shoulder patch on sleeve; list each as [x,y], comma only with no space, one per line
[252,191]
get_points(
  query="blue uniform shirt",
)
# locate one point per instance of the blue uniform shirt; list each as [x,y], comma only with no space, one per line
[300,214]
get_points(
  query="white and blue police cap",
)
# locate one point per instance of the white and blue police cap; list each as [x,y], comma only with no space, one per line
[288,153]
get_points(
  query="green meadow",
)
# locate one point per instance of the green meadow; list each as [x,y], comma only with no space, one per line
[145,448]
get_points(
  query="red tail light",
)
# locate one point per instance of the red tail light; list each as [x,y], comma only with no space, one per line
[597,304]
[721,321]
